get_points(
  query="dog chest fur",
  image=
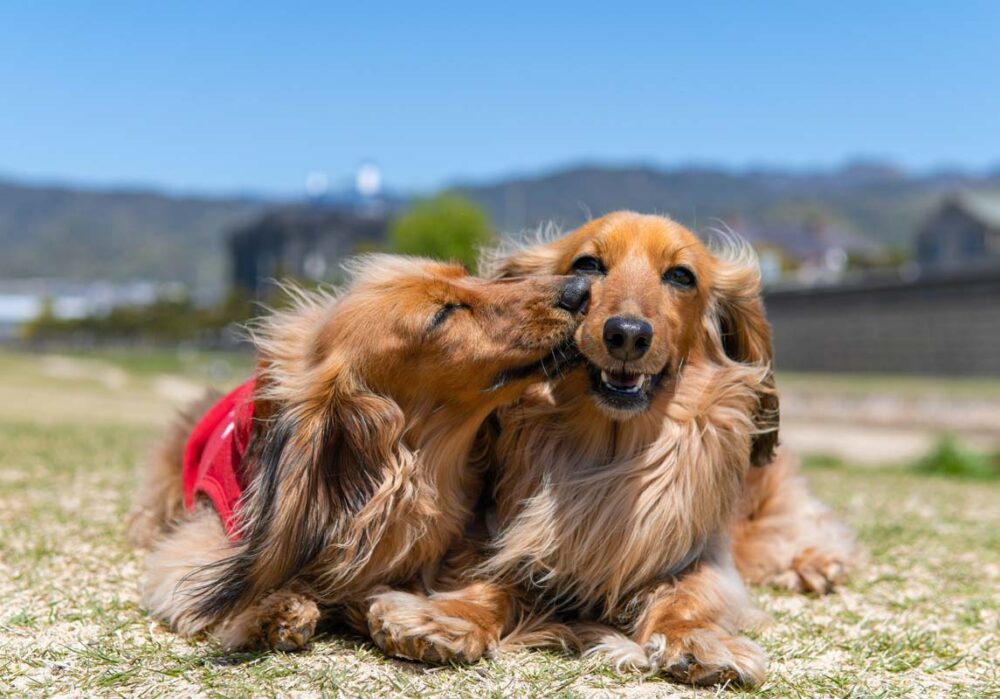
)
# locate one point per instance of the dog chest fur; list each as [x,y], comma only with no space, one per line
[593,532]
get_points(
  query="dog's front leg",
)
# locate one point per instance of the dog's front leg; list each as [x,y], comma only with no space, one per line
[462,625]
[690,627]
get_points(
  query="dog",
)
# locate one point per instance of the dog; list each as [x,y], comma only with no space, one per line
[620,487]
[342,468]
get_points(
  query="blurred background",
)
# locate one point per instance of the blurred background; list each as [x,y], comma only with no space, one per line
[162,164]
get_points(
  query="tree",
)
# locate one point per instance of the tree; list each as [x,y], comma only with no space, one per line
[446,227]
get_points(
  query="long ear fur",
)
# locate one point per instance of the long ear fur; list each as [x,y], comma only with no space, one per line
[321,478]
[745,334]
[327,460]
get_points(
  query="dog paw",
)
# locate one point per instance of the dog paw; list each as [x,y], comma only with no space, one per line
[813,571]
[705,657]
[414,627]
[284,620]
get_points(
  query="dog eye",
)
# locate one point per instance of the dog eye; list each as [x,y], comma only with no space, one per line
[679,276]
[442,314]
[588,264]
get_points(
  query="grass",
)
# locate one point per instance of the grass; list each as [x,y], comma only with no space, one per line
[950,458]
[207,366]
[922,617]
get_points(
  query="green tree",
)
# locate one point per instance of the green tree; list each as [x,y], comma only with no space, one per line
[446,227]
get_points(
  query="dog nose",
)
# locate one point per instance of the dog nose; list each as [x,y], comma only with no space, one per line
[575,294]
[626,337]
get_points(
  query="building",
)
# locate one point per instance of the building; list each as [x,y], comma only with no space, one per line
[964,231]
[813,250]
[302,242]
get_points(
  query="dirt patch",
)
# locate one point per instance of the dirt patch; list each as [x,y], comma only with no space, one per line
[884,428]
[68,368]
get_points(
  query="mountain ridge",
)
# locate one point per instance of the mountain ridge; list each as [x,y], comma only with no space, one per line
[60,230]
[884,203]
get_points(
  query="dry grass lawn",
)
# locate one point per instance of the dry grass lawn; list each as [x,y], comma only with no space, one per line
[921,618]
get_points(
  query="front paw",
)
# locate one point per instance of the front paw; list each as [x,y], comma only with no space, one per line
[411,626]
[814,571]
[704,657]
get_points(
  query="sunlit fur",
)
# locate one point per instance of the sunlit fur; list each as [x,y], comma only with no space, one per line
[366,406]
[592,527]
[784,537]
[618,523]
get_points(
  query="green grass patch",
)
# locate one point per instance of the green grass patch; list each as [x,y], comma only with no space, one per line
[207,365]
[951,459]
[822,461]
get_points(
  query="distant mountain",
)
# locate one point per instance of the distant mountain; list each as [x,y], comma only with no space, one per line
[88,234]
[85,234]
[873,199]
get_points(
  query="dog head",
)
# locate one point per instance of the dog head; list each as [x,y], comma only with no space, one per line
[422,330]
[659,299]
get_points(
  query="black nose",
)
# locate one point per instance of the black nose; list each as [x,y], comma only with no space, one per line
[626,337]
[575,294]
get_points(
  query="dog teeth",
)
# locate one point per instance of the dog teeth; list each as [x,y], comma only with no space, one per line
[628,384]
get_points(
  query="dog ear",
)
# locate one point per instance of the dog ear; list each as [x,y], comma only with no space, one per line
[745,337]
[324,470]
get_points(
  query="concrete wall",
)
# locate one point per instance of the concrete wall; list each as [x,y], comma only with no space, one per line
[937,324]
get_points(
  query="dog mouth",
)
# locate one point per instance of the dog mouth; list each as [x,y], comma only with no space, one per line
[622,390]
[561,358]
[623,382]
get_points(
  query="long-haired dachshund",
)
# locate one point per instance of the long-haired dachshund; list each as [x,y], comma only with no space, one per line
[618,487]
[343,466]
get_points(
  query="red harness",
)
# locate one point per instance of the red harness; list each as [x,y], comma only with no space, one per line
[213,455]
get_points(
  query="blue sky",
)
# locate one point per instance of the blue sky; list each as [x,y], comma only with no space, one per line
[230,96]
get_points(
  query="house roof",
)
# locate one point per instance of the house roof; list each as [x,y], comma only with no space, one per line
[983,206]
[807,240]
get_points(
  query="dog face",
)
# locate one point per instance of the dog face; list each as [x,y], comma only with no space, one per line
[659,299]
[651,288]
[417,328]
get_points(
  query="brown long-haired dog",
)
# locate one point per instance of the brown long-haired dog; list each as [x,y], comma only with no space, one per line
[365,407]
[618,486]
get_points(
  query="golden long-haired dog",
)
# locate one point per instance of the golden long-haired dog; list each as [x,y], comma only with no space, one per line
[353,448]
[620,487]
